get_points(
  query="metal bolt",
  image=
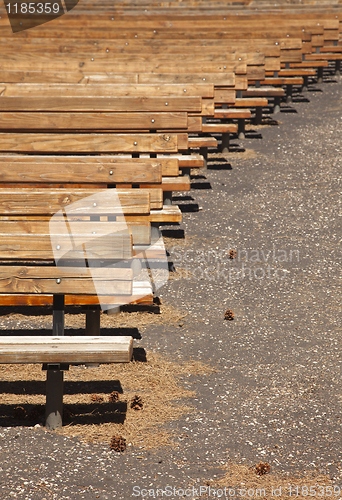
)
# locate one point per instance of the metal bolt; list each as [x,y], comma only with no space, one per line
[110,172]
[204,79]
[92,58]
[126,43]
[94,204]
[58,247]
[154,31]
[184,90]
[58,281]
[277,43]
[107,50]
[136,36]
[112,18]
[287,35]
[224,67]
[135,143]
[224,18]
[94,232]
[152,120]
[166,104]
[239,58]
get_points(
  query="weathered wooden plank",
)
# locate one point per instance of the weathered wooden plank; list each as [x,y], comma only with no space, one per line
[106,89]
[141,294]
[16,280]
[217,78]
[85,103]
[199,142]
[38,246]
[169,213]
[88,143]
[250,102]
[25,201]
[85,169]
[15,120]
[65,349]
[232,113]
[141,231]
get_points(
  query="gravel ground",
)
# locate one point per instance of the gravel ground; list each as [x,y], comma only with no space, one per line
[276,393]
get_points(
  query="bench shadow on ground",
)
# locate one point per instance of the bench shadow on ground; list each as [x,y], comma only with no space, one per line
[83,413]
[28,415]
[220,163]
[117,332]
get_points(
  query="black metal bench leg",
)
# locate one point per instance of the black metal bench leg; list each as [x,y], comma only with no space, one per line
[54,399]
[225,143]
[204,153]
[288,93]
[167,198]
[93,322]
[241,128]
[305,83]
[258,115]
[54,377]
[319,75]
[338,68]
[276,107]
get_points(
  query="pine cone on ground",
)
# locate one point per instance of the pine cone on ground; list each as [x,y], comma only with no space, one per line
[232,254]
[118,443]
[137,403]
[113,397]
[96,398]
[262,468]
[229,315]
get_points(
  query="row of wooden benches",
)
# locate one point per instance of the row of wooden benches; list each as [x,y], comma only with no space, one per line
[97,119]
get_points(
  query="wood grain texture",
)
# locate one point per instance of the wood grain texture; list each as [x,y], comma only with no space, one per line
[105,103]
[107,89]
[66,349]
[87,143]
[92,169]
[15,120]
[20,280]
[24,201]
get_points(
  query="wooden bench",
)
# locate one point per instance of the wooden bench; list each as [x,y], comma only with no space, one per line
[43,141]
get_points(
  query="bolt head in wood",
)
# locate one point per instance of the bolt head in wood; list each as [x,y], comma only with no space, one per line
[58,280]
[110,172]
[58,247]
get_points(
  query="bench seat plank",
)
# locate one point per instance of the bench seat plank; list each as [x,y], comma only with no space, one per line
[169,213]
[92,169]
[124,104]
[25,201]
[12,120]
[66,349]
[88,143]
[53,280]
[141,294]
[219,128]
[202,142]
[233,113]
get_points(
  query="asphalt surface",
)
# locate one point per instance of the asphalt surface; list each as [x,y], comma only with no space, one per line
[276,393]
